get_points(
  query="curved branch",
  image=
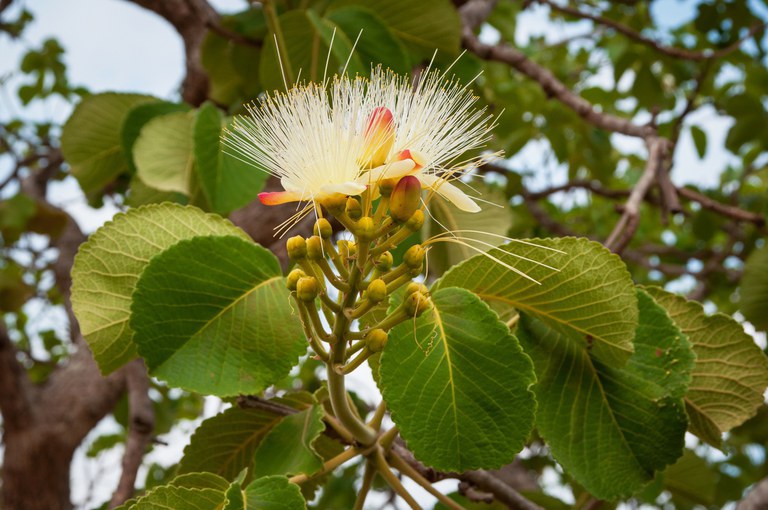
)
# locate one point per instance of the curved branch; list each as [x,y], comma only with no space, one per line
[15,386]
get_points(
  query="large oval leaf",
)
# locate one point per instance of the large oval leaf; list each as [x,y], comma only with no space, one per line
[107,267]
[90,140]
[731,371]
[212,315]
[588,296]
[288,449]
[267,493]
[163,153]
[457,384]
[611,428]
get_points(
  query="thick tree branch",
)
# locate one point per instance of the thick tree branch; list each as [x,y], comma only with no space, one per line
[725,210]
[16,391]
[140,428]
[757,498]
[680,53]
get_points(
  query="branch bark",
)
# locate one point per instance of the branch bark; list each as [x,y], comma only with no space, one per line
[16,391]
[757,498]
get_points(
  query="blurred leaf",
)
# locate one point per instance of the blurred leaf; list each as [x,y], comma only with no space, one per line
[137,117]
[699,140]
[754,289]
[288,448]
[691,480]
[163,153]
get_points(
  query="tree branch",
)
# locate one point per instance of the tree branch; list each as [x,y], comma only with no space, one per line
[15,388]
[141,426]
[757,498]
[680,53]
[726,210]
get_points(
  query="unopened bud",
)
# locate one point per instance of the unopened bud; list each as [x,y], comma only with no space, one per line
[307,288]
[365,228]
[416,287]
[335,203]
[377,291]
[351,249]
[416,221]
[379,136]
[376,340]
[383,262]
[414,256]
[416,304]
[315,248]
[293,278]
[387,185]
[405,199]
[323,228]
[353,208]
[297,248]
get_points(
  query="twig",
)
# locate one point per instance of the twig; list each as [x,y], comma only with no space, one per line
[393,481]
[328,466]
[15,386]
[503,492]
[141,425]
[726,210]
[757,498]
[414,475]
[627,225]
[680,53]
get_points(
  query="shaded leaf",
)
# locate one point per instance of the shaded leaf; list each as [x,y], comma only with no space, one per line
[754,289]
[288,448]
[163,153]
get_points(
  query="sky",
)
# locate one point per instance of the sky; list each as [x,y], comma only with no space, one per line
[114,45]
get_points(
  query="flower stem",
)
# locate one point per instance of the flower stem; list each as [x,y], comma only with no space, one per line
[414,475]
[328,466]
[393,481]
[370,472]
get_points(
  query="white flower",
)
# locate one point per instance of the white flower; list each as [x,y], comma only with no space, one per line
[345,136]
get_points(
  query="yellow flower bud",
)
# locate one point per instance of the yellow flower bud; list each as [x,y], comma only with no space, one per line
[293,278]
[365,228]
[315,248]
[334,203]
[353,208]
[297,248]
[416,304]
[387,185]
[323,228]
[376,340]
[307,288]
[377,291]
[379,136]
[405,199]
[416,287]
[383,262]
[416,220]
[414,256]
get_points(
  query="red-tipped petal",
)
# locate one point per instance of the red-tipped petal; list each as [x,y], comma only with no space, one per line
[278,197]
[379,136]
[418,158]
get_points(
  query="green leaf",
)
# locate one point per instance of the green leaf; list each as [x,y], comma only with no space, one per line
[225,443]
[425,26]
[90,139]
[298,34]
[135,120]
[490,220]
[212,315]
[108,265]
[200,481]
[588,296]
[699,140]
[754,289]
[731,372]
[691,480]
[611,428]
[163,153]
[177,498]
[377,44]
[227,182]
[267,493]
[457,384]
[287,449]
[342,47]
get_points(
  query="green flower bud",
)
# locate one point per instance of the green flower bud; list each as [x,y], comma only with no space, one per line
[416,287]
[354,209]
[377,291]
[365,228]
[323,228]
[376,340]
[293,278]
[307,288]
[416,304]
[334,203]
[297,248]
[414,256]
[416,220]
[315,248]
[387,185]
[405,199]
[416,271]
[383,262]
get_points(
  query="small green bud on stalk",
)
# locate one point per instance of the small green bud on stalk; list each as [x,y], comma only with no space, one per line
[323,228]
[377,291]
[387,185]
[384,262]
[416,287]
[416,304]
[335,203]
[405,199]
[293,278]
[354,209]
[365,229]
[307,288]
[315,248]
[296,247]
[416,221]
[376,340]
[414,256]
